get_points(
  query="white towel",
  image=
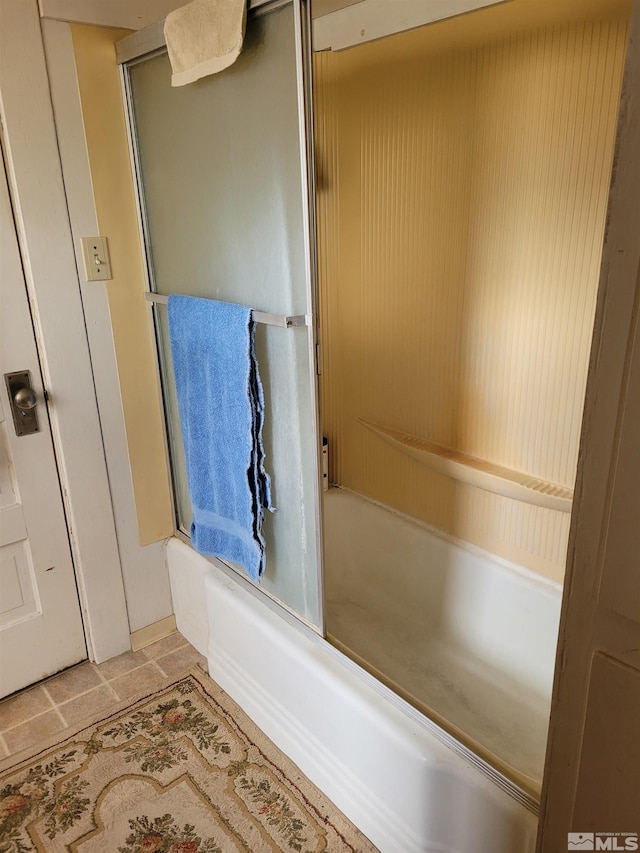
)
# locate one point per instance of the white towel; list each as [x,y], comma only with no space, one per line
[204,37]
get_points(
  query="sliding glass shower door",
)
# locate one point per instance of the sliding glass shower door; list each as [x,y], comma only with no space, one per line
[223,184]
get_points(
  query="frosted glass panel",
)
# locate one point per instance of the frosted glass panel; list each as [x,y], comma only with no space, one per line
[222,182]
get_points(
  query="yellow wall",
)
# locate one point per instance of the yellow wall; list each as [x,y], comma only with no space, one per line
[105,130]
[463,182]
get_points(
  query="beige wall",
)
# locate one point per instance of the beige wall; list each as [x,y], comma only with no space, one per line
[107,146]
[463,182]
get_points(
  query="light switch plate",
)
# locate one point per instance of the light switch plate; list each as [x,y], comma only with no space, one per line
[95,253]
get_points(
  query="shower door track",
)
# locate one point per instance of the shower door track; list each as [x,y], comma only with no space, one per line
[148,40]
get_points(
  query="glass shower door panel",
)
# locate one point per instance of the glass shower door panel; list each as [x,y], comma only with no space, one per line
[225,217]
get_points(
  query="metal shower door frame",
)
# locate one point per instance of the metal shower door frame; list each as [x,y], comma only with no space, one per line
[144,45]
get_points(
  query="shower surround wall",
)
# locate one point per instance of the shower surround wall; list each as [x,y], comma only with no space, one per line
[462,190]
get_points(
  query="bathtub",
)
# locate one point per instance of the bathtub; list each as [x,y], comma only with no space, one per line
[396,774]
[403,779]
[467,638]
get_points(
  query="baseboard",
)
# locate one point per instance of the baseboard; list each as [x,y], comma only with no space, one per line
[150,633]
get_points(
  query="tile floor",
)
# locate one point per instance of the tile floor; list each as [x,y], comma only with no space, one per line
[89,689]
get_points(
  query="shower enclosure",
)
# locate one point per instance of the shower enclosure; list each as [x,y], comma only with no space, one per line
[452,206]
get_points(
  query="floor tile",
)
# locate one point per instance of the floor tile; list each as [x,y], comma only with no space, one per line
[145,678]
[34,730]
[89,705]
[74,681]
[181,661]
[122,664]
[165,645]
[83,692]
[23,707]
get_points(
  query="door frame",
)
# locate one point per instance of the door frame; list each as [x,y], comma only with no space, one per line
[42,223]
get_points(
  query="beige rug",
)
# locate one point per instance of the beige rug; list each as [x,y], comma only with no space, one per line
[181,771]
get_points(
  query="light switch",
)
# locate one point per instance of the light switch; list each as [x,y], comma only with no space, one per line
[95,252]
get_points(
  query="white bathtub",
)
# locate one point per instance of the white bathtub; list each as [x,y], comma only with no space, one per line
[401,778]
[468,638]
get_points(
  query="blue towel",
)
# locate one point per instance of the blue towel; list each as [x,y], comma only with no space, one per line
[221,405]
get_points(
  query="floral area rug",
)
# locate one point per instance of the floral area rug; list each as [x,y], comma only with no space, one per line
[181,771]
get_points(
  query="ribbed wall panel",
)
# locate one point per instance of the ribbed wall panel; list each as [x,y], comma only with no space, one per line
[461,208]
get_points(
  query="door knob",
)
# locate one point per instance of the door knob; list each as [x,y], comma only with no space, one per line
[23,402]
[25,399]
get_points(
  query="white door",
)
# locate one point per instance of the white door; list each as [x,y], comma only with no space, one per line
[41,628]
